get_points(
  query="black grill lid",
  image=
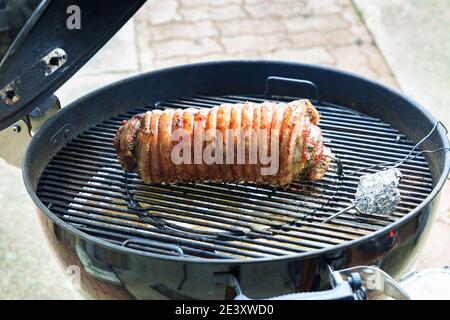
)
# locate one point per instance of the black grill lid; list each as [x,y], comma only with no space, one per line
[46,53]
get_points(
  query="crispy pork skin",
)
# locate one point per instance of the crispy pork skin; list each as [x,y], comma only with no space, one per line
[264,143]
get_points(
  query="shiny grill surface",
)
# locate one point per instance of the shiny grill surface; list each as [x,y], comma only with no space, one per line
[85,186]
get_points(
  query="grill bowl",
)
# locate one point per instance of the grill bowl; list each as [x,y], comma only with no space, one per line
[108,268]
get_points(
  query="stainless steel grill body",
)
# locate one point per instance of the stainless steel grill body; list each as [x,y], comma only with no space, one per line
[253,232]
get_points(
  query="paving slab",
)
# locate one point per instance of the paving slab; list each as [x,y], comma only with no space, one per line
[414,37]
[328,32]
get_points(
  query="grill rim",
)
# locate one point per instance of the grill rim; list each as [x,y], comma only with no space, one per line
[432,196]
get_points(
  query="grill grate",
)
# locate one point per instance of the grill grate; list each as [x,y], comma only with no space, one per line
[85,186]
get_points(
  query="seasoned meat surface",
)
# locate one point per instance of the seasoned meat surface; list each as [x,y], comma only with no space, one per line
[264,143]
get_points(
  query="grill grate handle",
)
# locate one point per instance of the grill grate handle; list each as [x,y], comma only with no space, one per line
[154,244]
[273,79]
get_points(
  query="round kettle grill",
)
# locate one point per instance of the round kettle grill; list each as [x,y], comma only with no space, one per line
[210,240]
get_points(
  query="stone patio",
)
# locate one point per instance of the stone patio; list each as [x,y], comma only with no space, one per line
[172,32]
[327,32]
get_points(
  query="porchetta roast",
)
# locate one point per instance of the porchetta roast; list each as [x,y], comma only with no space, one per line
[264,143]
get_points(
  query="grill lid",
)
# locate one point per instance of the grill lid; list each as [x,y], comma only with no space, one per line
[58,39]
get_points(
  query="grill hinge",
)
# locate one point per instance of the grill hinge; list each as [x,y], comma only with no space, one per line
[14,139]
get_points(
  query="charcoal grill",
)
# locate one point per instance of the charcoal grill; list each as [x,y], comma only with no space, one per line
[214,240]
[85,186]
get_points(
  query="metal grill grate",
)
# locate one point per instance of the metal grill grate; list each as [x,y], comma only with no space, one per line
[85,186]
